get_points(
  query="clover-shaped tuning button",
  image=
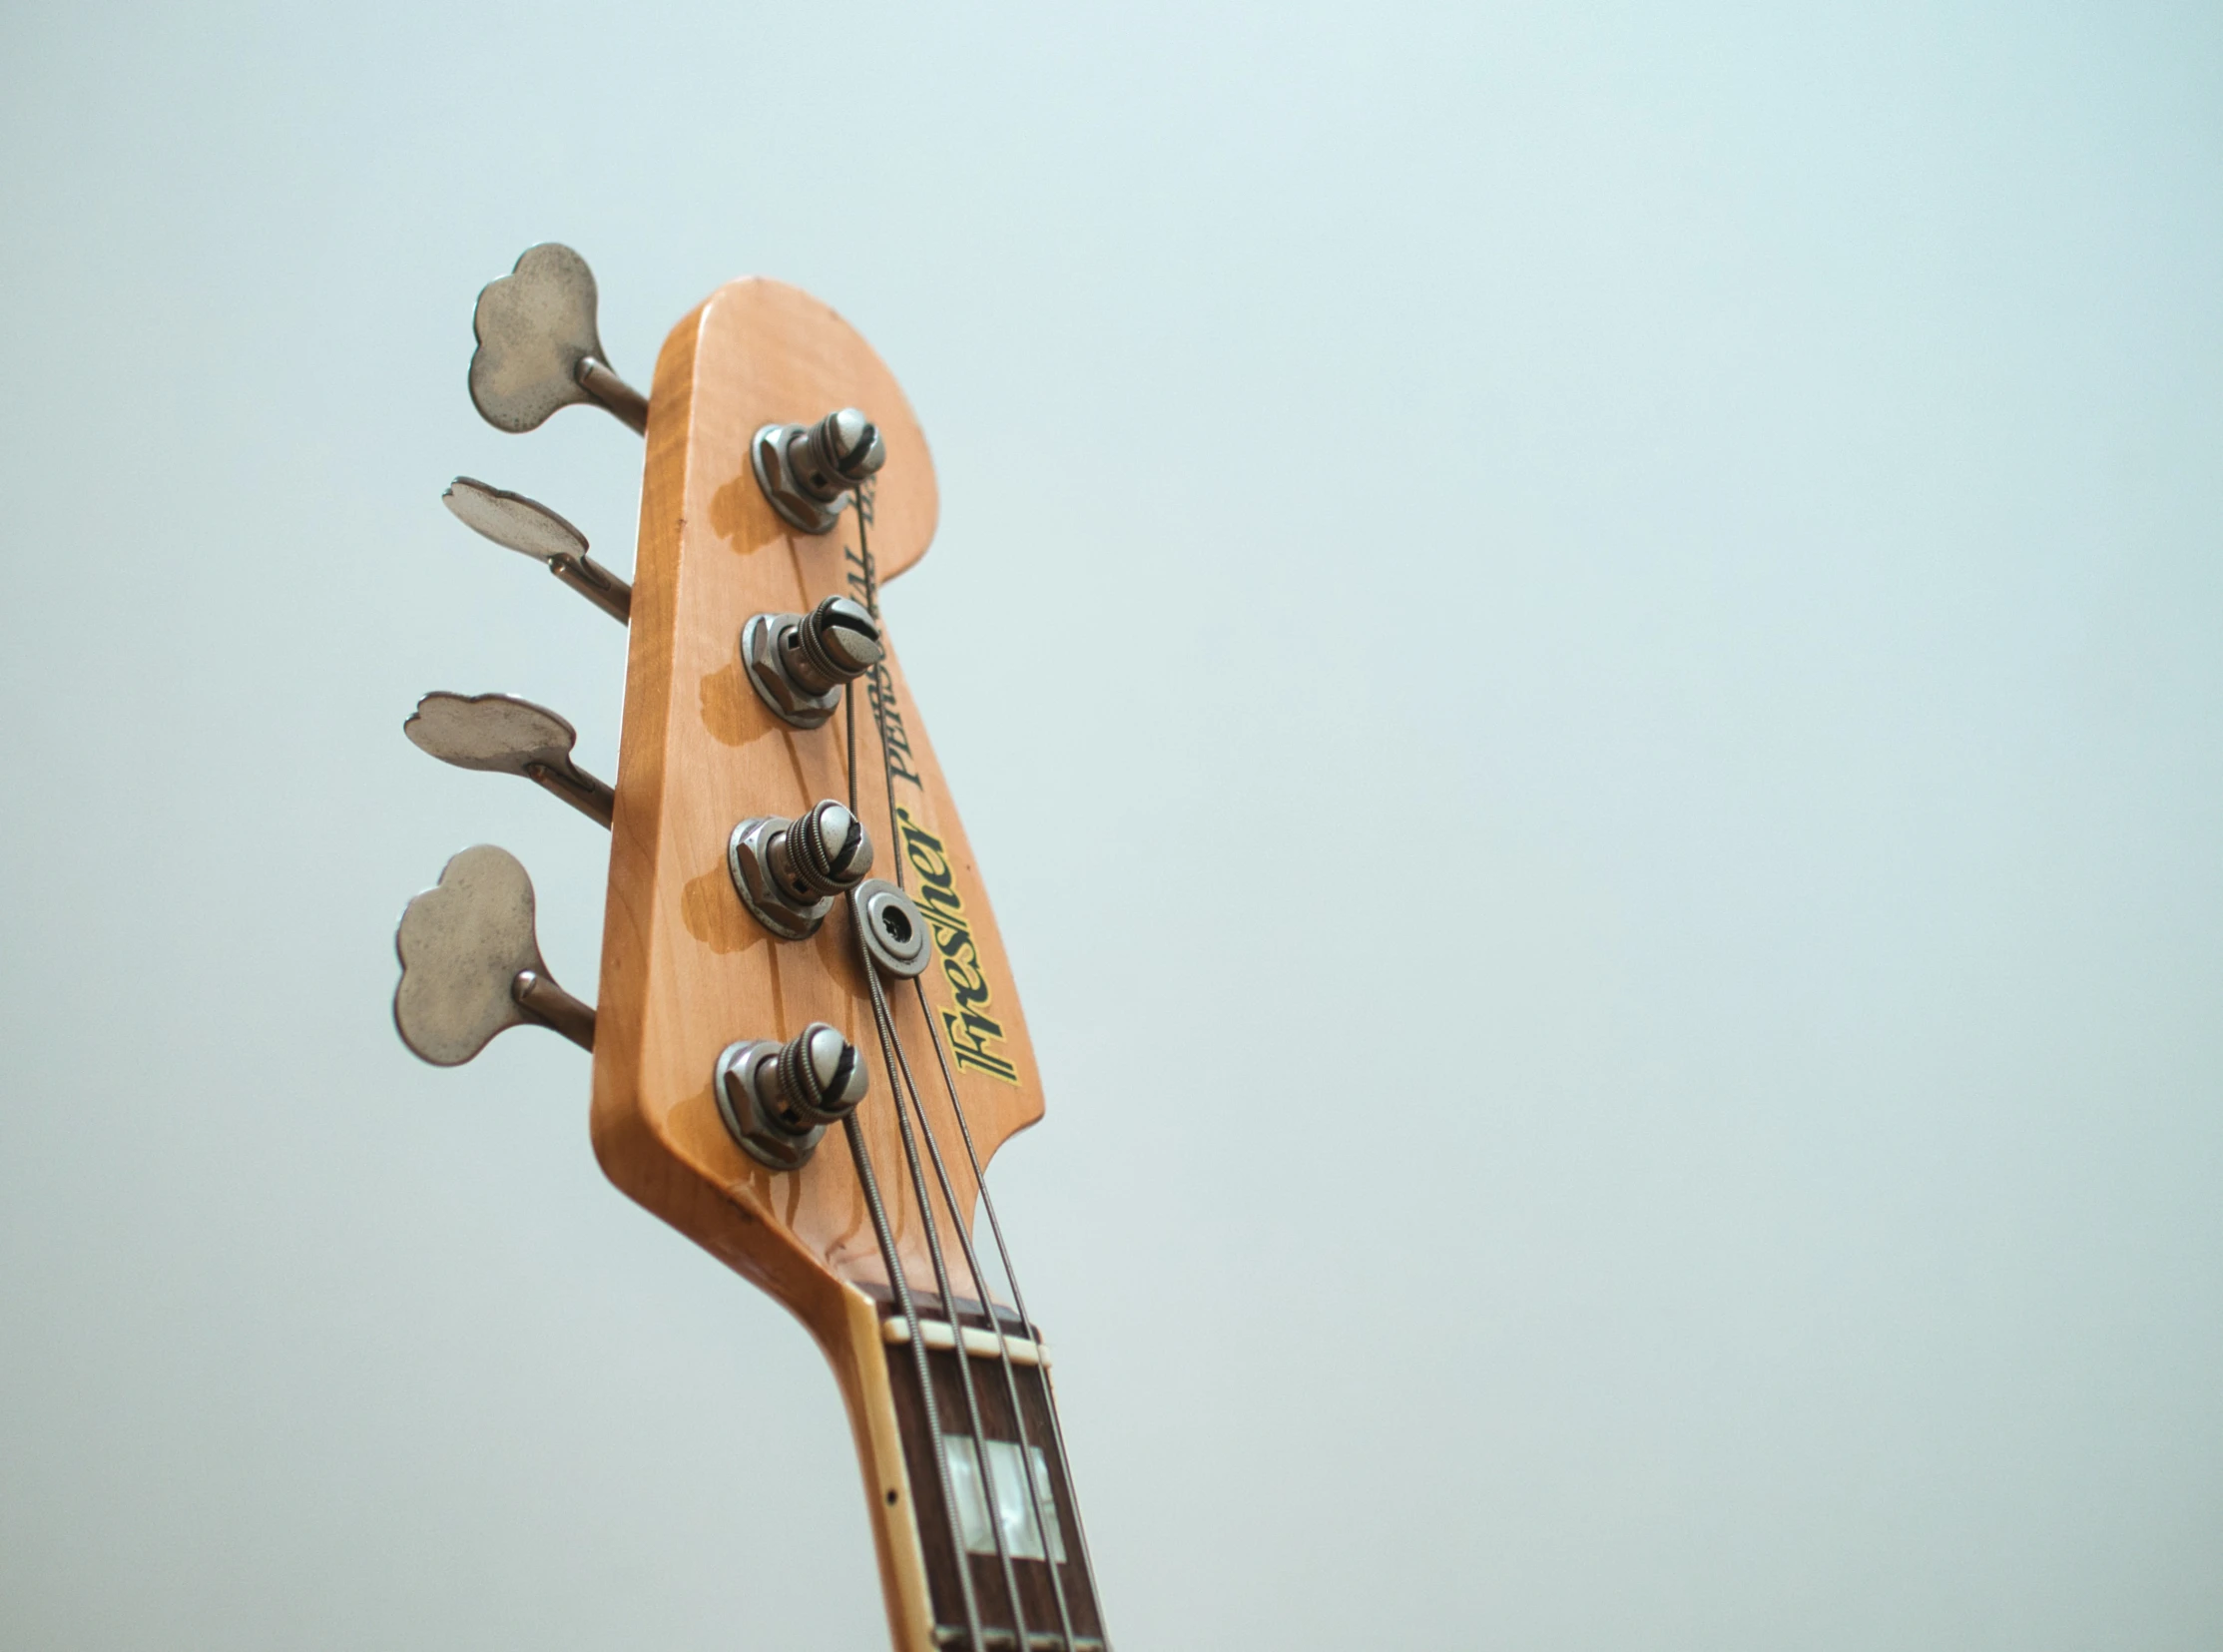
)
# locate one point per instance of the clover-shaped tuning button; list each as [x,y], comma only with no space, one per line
[503,735]
[789,872]
[538,346]
[470,965]
[799,662]
[530,528]
[777,1099]
[808,470]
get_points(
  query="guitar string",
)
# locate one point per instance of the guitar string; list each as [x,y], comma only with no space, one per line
[1019,1300]
[870,574]
[1035,1493]
[1050,1401]
[959,1553]
[849,716]
[890,1057]
[882,694]
[909,1306]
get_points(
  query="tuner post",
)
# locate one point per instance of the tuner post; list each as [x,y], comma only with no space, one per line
[800,662]
[778,1099]
[809,471]
[788,873]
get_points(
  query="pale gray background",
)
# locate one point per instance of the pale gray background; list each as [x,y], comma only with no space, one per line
[1582,645]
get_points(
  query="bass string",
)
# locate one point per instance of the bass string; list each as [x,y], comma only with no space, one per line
[890,1041]
[890,1052]
[909,1307]
[870,573]
[1018,1298]
[1040,1499]
[848,717]
[905,1302]
[881,691]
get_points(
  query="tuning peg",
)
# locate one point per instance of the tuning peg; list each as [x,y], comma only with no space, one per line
[790,872]
[777,1099]
[538,348]
[530,528]
[808,470]
[470,965]
[503,735]
[798,663]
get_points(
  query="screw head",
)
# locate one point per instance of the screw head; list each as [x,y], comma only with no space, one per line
[828,850]
[822,1074]
[843,638]
[851,443]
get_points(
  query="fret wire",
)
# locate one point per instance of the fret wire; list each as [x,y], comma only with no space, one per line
[891,1052]
[995,1329]
[1018,1298]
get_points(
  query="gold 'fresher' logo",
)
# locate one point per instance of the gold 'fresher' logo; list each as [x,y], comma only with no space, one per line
[972,1030]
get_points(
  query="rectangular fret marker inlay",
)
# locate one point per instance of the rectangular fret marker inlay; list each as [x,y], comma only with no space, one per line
[1014,1502]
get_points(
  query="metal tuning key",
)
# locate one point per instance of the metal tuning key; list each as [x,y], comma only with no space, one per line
[777,1099]
[798,663]
[531,529]
[807,471]
[790,872]
[503,735]
[539,349]
[470,965]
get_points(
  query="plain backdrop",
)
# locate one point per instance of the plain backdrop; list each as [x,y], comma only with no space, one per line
[1582,648]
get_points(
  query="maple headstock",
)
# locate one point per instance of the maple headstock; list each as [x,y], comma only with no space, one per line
[685,969]
[758,992]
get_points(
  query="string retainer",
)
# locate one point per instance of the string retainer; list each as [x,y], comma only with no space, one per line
[892,928]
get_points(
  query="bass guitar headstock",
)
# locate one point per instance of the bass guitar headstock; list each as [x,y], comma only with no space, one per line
[807,1044]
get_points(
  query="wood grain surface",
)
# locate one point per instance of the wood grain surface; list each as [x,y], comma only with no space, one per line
[685,968]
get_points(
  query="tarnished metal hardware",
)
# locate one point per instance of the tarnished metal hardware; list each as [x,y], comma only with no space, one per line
[798,663]
[539,349]
[777,1099]
[503,735]
[891,928]
[552,1004]
[808,470]
[790,872]
[531,529]
[471,967]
